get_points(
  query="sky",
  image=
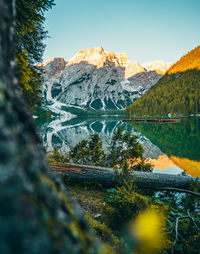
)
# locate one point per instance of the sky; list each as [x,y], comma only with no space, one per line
[147,30]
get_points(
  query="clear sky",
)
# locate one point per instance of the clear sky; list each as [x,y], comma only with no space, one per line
[147,29]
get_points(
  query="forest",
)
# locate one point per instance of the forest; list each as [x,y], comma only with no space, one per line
[177,92]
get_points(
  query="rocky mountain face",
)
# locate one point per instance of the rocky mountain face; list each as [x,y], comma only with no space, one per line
[95,79]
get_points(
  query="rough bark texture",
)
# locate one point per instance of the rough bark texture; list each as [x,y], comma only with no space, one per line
[36,213]
[108,177]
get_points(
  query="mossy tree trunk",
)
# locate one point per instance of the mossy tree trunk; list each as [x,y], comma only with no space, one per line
[36,212]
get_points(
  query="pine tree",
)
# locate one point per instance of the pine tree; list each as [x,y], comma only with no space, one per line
[30,34]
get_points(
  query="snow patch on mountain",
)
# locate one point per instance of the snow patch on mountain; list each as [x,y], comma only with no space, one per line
[159,66]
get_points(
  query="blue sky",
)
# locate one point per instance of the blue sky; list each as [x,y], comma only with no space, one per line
[147,29]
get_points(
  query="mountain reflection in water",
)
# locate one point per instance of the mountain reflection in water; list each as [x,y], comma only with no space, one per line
[180,141]
[168,146]
[190,167]
[162,162]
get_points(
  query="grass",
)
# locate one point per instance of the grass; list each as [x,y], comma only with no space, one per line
[92,199]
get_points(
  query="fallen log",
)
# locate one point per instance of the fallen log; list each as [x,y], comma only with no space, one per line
[108,177]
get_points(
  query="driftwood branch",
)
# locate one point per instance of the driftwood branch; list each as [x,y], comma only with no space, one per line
[189,215]
[108,177]
[177,224]
[176,230]
[179,190]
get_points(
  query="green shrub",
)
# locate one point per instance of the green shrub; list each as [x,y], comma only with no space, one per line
[55,156]
[122,206]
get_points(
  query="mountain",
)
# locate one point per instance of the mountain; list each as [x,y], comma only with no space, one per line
[178,91]
[159,66]
[189,61]
[96,79]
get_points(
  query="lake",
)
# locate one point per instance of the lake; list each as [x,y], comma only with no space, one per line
[170,147]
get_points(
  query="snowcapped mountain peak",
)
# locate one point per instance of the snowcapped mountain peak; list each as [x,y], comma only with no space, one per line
[95,56]
[100,58]
[159,66]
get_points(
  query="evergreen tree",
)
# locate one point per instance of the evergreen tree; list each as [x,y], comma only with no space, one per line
[124,152]
[89,152]
[30,34]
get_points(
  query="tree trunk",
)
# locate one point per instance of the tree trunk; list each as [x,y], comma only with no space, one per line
[36,213]
[107,177]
